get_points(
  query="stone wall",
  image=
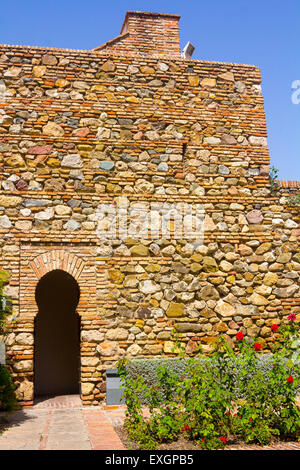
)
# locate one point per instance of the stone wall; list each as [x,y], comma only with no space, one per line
[82,128]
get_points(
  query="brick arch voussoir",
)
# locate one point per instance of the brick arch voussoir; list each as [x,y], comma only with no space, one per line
[57,259]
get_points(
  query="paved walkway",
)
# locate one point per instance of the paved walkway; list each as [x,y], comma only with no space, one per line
[62,423]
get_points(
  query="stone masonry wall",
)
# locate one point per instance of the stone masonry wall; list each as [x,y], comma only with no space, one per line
[79,129]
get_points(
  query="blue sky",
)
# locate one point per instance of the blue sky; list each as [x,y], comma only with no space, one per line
[260,32]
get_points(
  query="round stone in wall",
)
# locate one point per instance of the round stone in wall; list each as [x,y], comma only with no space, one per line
[255,217]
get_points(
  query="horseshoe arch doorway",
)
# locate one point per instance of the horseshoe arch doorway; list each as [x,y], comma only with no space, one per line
[57,335]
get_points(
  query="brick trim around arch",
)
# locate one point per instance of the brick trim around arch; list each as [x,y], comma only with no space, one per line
[57,259]
[36,261]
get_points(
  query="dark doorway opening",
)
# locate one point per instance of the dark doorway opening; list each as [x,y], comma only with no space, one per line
[57,336]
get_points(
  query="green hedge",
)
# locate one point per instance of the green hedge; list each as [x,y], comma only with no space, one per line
[147,368]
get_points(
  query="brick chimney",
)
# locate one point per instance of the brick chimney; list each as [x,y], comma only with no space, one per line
[148,34]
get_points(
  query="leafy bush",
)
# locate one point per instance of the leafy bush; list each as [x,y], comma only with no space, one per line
[5,304]
[294,200]
[8,399]
[209,400]
[7,388]
[275,184]
[267,407]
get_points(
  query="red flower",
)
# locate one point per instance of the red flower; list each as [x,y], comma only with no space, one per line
[186,428]
[274,328]
[290,379]
[257,346]
[250,419]
[292,317]
[239,336]
[223,439]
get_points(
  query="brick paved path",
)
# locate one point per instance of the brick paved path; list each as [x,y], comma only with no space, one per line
[61,423]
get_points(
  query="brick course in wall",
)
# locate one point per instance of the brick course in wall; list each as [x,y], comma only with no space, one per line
[148,34]
[79,129]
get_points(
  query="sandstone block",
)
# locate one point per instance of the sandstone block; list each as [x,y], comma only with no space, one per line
[72,161]
[23,366]
[193,80]
[89,361]
[116,276]
[225,309]
[209,264]
[227,76]
[92,336]
[25,391]
[108,66]
[175,310]
[255,217]
[117,334]
[107,348]
[5,222]
[139,250]
[39,70]
[46,214]
[53,129]
[24,338]
[270,279]
[286,292]
[134,350]
[10,201]
[257,299]
[15,161]
[208,293]
[208,82]
[263,248]
[87,388]
[62,210]
[149,287]
[153,349]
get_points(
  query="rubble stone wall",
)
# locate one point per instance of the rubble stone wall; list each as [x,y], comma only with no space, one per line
[80,129]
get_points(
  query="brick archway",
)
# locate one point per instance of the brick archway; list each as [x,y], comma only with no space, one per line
[77,261]
[36,261]
[63,260]
[57,259]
